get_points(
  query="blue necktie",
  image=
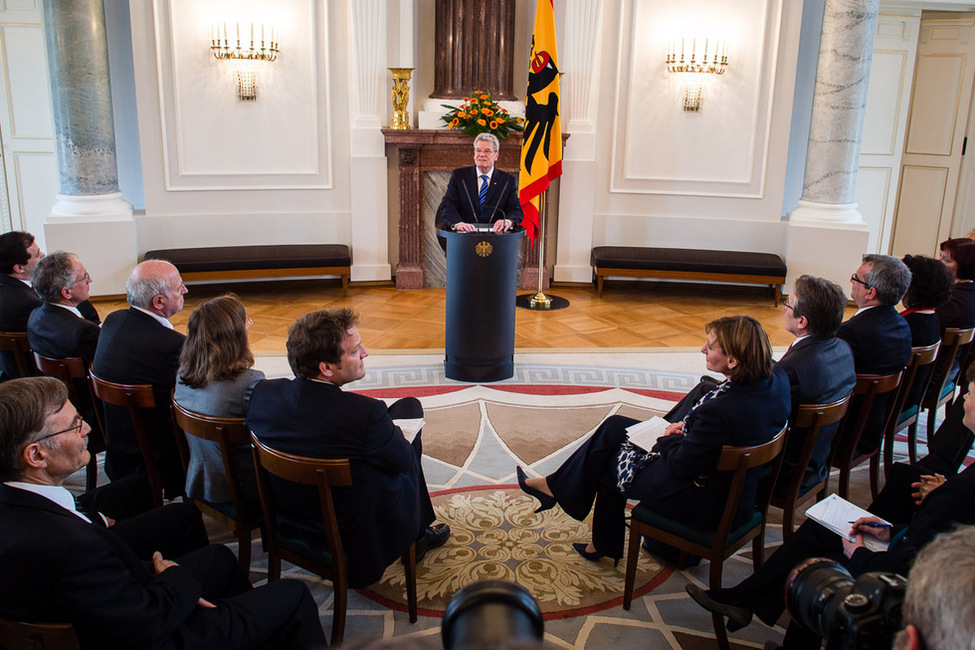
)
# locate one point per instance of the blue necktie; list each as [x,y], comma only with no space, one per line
[482,193]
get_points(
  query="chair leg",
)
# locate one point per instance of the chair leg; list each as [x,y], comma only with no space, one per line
[912,442]
[91,473]
[409,569]
[758,549]
[932,414]
[273,566]
[874,475]
[844,489]
[632,557]
[788,515]
[720,635]
[244,548]
[339,606]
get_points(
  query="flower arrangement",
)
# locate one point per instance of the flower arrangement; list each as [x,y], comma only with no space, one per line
[481,114]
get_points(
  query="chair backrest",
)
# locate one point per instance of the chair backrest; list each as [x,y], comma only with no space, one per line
[15,635]
[134,397]
[810,419]
[67,369]
[915,380]
[951,341]
[16,343]
[739,460]
[324,474]
[226,432]
[868,387]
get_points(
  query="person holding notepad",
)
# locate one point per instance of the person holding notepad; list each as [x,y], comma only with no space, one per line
[677,477]
[942,507]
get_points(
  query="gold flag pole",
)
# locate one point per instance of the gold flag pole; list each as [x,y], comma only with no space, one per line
[540,300]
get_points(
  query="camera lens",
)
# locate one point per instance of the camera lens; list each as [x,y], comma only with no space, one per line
[490,613]
[815,591]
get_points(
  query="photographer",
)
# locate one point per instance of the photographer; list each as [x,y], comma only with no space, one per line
[944,506]
[939,612]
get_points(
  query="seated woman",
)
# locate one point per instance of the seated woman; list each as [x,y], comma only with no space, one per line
[931,283]
[216,378]
[958,255]
[678,478]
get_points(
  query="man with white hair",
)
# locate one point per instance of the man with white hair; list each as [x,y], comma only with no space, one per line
[138,345]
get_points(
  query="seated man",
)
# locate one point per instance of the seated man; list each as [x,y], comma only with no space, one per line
[60,565]
[938,611]
[940,510]
[388,506]
[139,346]
[819,367]
[57,328]
[879,337]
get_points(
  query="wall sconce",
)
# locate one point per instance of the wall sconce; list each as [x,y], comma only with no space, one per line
[246,58]
[692,64]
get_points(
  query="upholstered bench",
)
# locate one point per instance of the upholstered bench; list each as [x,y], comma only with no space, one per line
[689,264]
[267,261]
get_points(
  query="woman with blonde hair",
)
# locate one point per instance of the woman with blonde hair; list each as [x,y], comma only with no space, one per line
[216,377]
[678,478]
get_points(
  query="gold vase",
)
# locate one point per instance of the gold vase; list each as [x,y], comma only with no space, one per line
[401,97]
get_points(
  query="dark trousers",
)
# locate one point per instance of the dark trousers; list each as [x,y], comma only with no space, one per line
[950,444]
[281,614]
[590,474]
[409,408]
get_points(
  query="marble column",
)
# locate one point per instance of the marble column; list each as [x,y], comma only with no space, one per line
[77,55]
[839,103]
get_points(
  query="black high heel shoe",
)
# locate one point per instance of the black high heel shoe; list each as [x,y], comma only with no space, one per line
[595,556]
[547,502]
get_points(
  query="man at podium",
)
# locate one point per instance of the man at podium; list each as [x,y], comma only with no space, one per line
[481,194]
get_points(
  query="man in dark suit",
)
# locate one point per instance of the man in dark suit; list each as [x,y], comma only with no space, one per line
[19,255]
[481,194]
[138,345]
[57,328]
[879,337]
[59,564]
[940,510]
[388,506]
[818,365]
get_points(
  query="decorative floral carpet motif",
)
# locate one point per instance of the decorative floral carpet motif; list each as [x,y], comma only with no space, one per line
[495,534]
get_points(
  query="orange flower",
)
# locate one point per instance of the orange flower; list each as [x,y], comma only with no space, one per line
[454,122]
[494,124]
[487,111]
[484,97]
[482,122]
[479,92]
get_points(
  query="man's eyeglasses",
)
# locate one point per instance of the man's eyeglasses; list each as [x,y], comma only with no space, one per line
[486,151]
[84,278]
[854,278]
[788,306]
[79,424]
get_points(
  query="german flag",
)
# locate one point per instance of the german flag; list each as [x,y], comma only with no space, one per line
[541,149]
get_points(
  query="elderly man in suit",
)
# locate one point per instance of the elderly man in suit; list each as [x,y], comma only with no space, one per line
[138,345]
[58,328]
[388,506]
[879,337]
[481,194]
[819,366]
[943,506]
[59,564]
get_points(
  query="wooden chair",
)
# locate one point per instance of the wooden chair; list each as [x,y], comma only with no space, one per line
[72,371]
[134,397]
[843,455]
[942,389]
[809,419]
[330,562]
[16,344]
[228,433]
[917,378]
[722,543]
[15,635]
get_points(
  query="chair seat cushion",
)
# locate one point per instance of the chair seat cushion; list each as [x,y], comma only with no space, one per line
[907,414]
[647,516]
[237,258]
[316,552]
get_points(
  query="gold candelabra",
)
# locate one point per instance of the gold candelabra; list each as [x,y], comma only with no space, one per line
[401,97]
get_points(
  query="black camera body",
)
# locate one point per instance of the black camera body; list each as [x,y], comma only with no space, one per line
[849,614]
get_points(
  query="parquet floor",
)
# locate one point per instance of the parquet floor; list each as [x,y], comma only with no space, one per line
[629,315]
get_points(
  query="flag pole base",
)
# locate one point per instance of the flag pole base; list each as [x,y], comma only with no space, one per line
[541,302]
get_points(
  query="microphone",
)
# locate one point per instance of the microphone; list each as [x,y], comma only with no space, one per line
[498,204]
[474,211]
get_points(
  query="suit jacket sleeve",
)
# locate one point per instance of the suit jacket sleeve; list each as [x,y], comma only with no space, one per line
[512,207]
[696,452]
[388,449]
[454,207]
[99,587]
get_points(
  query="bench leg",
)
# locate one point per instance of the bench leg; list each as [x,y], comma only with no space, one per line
[345,285]
[776,293]
[599,286]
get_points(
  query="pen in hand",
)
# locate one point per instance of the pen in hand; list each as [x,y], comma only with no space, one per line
[873,524]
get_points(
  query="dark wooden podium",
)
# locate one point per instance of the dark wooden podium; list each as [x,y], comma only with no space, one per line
[482,282]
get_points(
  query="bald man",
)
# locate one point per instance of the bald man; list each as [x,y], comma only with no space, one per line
[138,345]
